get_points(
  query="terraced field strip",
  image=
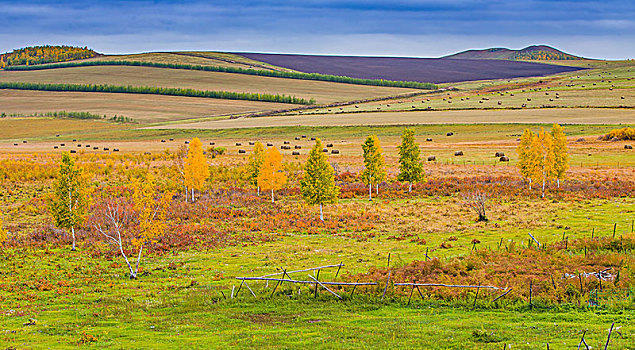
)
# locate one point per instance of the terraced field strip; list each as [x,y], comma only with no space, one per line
[321,91]
[551,115]
[142,108]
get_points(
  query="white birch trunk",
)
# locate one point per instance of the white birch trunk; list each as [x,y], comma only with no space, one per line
[370,192]
[73,234]
[321,213]
[410,187]
[272,195]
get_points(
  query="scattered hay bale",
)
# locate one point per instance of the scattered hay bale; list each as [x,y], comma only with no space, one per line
[58,135]
[428,140]
[622,97]
[329,145]
[581,139]
[79,145]
[325,150]
[286,142]
[87,146]
[242,151]
[304,136]
[73,151]
[24,141]
[285,147]
[500,103]
[269,144]
[480,101]
[500,154]
[147,153]
[524,105]
[312,138]
[628,147]
[504,159]
[335,151]
[55,147]
[74,140]
[187,142]
[62,144]
[171,139]
[106,149]
[432,158]
[297,138]
[528,100]
[449,134]
[251,143]
[297,147]
[115,149]
[163,141]
[212,143]
[551,100]
[238,144]
[95,147]
[295,153]
[458,153]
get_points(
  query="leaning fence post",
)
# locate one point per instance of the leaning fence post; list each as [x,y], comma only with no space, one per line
[609,337]
[386,287]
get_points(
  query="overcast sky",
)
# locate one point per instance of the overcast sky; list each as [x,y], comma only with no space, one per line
[597,29]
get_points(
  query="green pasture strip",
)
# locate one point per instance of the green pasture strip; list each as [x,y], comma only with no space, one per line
[248,96]
[237,70]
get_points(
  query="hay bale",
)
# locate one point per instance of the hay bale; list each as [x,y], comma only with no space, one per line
[242,151]
[304,136]
[212,143]
[297,138]
[147,153]
[95,147]
[500,103]
[251,143]
[286,142]
[24,141]
[458,153]
[115,149]
[74,140]
[329,145]
[504,159]
[58,135]
[106,149]
[163,141]
[581,139]
[54,147]
[269,144]
[187,142]
[628,147]
[295,153]
[79,145]
[73,151]
[428,140]
[432,158]
[171,139]
[325,150]
[335,151]
[312,138]
[238,144]
[87,146]
[524,105]
[500,154]
[297,147]
[62,144]
[449,134]
[528,100]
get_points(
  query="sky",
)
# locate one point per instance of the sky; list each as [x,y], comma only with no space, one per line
[420,28]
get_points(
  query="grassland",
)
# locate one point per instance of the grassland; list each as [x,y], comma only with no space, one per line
[85,299]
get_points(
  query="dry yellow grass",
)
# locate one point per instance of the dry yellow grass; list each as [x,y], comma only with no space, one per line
[551,115]
[142,108]
[321,91]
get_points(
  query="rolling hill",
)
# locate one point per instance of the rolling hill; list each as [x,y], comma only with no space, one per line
[534,52]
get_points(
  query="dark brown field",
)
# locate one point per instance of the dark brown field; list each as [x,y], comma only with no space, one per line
[427,70]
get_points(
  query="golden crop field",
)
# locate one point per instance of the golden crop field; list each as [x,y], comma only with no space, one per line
[321,91]
[142,108]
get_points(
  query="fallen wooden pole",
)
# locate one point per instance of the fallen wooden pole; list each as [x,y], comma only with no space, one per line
[502,295]
[386,287]
[252,292]
[444,285]
[304,270]
[325,287]
[306,282]
[609,337]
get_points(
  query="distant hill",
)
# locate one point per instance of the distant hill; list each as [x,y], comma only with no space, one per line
[535,52]
[45,54]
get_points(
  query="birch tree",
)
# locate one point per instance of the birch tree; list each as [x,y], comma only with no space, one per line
[318,183]
[196,169]
[256,158]
[71,196]
[374,164]
[271,177]
[410,163]
[133,222]
[560,153]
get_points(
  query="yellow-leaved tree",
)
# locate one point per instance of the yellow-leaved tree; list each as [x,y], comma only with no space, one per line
[135,220]
[374,164]
[271,177]
[196,170]
[560,153]
[542,158]
[524,155]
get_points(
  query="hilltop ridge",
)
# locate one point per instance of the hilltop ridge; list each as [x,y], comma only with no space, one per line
[534,52]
